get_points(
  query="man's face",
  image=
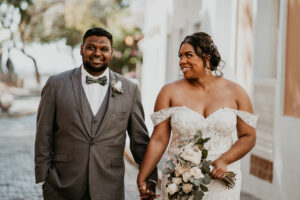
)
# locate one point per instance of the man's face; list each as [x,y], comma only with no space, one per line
[96,54]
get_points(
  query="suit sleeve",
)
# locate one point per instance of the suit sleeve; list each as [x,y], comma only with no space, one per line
[44,132]
[138,133]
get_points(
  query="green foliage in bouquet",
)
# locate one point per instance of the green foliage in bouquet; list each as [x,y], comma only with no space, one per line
[189,172]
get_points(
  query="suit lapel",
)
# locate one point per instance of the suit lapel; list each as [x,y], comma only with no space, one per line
[77,88]
[111,102]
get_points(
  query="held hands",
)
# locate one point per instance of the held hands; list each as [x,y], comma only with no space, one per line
[147,190]
[219,168]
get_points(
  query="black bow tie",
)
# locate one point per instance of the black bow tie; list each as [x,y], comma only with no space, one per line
[102,80]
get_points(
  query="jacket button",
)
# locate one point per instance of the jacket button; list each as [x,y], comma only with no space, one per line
[92,143]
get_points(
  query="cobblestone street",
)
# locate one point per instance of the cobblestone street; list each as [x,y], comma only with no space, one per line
[16,159]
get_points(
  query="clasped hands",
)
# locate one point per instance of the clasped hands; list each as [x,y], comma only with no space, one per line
[147,190]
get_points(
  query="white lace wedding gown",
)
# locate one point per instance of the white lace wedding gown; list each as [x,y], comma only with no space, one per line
[220,126]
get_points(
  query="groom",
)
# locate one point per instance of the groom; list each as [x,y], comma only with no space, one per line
[82,121]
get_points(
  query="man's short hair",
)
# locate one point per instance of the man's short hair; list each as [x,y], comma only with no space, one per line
[99,32]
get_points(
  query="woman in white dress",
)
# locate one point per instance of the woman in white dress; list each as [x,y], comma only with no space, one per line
[201,100]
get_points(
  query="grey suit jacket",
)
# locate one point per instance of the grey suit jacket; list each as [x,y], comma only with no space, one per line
[73,158]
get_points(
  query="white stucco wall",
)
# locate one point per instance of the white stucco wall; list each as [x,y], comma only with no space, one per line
[287,137]
[154,54]
[269,64]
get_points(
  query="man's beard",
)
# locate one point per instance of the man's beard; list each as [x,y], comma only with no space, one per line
[90,68]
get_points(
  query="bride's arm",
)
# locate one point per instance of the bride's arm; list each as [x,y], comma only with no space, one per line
[246,138]
[159,139]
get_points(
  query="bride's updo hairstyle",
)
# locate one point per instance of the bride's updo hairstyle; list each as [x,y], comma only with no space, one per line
[206,49]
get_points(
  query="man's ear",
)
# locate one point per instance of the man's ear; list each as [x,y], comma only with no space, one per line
[112,52]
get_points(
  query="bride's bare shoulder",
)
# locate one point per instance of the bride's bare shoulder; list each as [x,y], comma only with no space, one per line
[230,85]
[240,94]
[164,96]
[236,88]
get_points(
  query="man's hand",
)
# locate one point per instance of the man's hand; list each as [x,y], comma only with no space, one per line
[147,190]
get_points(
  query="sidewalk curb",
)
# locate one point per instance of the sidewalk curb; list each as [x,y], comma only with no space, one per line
[17,114]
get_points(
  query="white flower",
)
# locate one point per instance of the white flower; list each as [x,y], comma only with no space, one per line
[172,188]
[187,188]
[117,86]
[189,151]
[196,172]
[196,159]
[177,181]
[179,170]
[186,176]
[189,154]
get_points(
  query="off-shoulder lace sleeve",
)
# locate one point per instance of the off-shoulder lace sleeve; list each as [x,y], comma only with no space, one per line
[161,115]
[247,117]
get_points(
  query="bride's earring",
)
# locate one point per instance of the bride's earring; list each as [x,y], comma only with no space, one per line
[207,71]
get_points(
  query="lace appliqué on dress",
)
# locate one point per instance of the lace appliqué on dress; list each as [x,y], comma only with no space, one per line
[161,115]
[248,118]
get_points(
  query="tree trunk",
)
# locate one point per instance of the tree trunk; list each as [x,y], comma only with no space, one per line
[37,73]
[1,70]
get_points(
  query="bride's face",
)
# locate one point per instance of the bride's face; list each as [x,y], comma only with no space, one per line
[190,63]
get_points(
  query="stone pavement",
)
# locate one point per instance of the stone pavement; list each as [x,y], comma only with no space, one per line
[16,159]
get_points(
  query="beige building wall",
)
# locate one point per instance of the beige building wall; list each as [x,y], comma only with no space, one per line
[244,43]
[292,68]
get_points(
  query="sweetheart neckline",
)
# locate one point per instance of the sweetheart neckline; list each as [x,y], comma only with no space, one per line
[157,117]
[213,113]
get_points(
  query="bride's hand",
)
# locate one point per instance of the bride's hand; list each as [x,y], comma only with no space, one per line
[220,168]
[147,190]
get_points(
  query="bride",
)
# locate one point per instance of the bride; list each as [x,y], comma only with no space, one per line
[218,107]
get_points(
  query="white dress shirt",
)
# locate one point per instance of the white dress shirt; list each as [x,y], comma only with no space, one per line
[94,92]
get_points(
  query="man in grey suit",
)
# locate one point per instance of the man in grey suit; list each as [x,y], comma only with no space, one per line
[82,121]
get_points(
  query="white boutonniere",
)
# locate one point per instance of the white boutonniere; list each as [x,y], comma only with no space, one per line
[116,87]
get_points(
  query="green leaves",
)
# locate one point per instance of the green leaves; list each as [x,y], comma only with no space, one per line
[203,188]
[206,179]
[202,141]
[199,141]
[192,179]
[198,134]
[198,195]
[204,153]
[200,147]
[167,171]
[198,181]
[205,167]
[173,155]
[171,164]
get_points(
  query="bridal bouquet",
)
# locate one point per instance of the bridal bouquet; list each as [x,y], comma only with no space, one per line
[189,172]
